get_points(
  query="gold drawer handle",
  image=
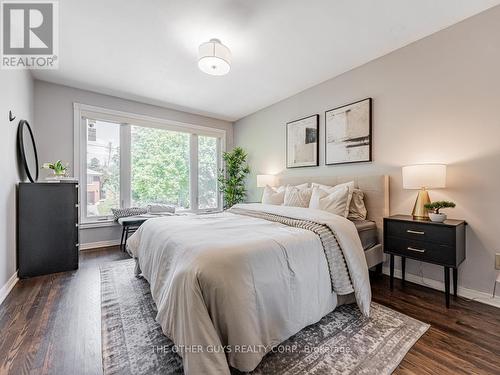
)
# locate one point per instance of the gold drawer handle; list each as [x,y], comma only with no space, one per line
[417,250]
[414,231]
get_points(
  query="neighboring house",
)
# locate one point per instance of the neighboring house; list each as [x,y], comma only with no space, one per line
[94,192]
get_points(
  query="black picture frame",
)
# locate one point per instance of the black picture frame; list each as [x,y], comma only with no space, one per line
[21,143]
[369,137]
[316,128]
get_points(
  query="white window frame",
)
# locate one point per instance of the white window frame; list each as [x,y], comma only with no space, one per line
[83,111]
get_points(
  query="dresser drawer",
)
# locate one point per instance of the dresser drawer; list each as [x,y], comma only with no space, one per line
[422,232]
[421,250]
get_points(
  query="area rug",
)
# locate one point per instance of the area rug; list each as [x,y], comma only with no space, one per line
[343,342]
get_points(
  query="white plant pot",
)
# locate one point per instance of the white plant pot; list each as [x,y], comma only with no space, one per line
[437,218]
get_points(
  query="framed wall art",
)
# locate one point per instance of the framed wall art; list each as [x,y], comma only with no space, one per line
[348,133]
[302,142]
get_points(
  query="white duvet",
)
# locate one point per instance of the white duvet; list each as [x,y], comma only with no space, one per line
[229,287]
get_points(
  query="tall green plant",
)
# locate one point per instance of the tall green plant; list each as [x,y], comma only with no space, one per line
[232,177]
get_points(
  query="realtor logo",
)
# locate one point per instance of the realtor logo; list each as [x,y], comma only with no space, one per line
[29,34]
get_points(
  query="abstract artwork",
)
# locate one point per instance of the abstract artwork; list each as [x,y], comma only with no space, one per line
[302,142]
[348,132]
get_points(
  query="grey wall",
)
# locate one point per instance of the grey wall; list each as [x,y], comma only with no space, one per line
[436,100]
[16,94]
[54,119]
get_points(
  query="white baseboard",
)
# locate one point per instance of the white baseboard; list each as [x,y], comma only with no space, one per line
[4,292]
[94,245]
[438,285]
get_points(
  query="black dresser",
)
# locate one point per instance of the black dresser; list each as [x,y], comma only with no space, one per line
[47,228]
[426,241]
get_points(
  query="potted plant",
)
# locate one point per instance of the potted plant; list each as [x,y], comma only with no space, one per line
[232,178]
[435,215]
[58,167]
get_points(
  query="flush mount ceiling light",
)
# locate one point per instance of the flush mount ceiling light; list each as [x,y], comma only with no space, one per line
[214,58]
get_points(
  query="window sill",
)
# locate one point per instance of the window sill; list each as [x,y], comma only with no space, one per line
[98,224]
[112,223]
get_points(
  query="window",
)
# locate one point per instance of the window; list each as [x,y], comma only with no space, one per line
[103,167]
[160,167]
[130,160]
[207,172]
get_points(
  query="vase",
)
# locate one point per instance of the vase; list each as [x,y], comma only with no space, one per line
[437,218]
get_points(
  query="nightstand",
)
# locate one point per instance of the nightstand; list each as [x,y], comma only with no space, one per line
[426,241]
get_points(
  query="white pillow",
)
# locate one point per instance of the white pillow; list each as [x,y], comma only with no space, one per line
[350,184]
[330,189]
[334,200]
[297,197]
[357,208]
[279,188]
[273,196]
[321,186]
[300,187]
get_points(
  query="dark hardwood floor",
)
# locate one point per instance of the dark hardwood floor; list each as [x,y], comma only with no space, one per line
[51,325]
[464,339]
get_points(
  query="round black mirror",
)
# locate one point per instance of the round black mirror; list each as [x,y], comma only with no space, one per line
[27,150]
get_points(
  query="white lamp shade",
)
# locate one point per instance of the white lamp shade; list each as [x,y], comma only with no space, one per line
[429,176]
[265,179]
[214,58]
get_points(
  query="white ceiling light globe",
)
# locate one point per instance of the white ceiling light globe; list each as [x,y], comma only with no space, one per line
[214,58]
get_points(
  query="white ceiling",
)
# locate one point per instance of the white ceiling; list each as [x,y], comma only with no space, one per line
[147,50]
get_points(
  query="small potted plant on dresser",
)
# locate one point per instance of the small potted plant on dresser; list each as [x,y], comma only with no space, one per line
[434,207]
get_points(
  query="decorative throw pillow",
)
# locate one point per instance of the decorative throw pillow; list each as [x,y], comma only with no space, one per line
[305,185]
[125,212]
[297,197]
[357,208]
[283,187]
[279,188]
[350,184]
[335,200]
[273,196]
[321,186]
[330,189]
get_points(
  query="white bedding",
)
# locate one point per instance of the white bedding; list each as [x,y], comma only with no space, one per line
[242,283]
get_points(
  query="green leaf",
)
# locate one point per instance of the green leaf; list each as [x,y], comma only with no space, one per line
[232,178]
[437,205]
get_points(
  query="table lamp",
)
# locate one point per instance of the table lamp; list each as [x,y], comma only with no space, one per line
[266,179]
[423,177]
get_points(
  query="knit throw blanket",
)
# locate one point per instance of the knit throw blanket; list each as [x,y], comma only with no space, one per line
[339,273]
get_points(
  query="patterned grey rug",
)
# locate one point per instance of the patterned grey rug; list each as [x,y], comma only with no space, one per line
[343,342]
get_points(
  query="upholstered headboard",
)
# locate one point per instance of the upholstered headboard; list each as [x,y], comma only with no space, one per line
[376,189]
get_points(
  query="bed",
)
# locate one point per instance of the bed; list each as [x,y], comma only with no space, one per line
[376,190]
[230,286]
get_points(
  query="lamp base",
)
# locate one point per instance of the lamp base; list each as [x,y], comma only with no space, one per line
[419,211]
